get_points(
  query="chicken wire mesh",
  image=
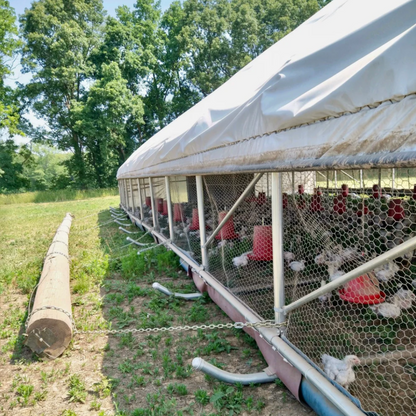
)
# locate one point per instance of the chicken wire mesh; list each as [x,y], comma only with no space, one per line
[348,219]
[185,215]
[333,221]
[146,201]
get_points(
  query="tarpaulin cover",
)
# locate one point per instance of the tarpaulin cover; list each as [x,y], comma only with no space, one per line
[337,91]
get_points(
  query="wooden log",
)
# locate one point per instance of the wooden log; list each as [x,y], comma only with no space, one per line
[49,325]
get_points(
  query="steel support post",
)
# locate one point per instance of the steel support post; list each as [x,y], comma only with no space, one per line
[170,214]
[154,208]
[140,199]
[277,235]
[201,216]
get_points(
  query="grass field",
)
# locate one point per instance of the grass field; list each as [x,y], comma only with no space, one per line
[111,287]
[55,196]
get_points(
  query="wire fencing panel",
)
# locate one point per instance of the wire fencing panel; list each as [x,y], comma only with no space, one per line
[146,201]
[350,218]
[185,215]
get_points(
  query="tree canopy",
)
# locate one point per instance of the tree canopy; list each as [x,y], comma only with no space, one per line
[104,85]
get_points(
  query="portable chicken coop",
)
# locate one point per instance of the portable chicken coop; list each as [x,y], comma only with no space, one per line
[290,194]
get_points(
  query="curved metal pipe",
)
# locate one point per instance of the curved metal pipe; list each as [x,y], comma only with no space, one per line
[137,243]
[254,378]
[127,231]
[166,291]
[120,223]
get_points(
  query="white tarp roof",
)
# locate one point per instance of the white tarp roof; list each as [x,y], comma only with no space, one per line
[337,91]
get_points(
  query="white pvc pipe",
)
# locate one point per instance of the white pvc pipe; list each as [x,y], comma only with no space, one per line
[166,291]
[169,204]
[152,200]
[127,231]
[140,199]
[120,223]
[277,236]
[254,378]
[201,217]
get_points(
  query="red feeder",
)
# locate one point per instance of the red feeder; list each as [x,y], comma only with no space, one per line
[316,203]
[414,192]
[285,201]
[364,290]
[149,201]
[159,204]
[227,232]
[396,211]
[165,208]
[340,204]
[262,243]
[301,190]
[261,198]
[376,191]
[195,220]
[345,190]
[178,214]
[362,209]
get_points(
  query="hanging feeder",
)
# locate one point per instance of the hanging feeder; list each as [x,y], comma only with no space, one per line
[285,200]
[149,202]
[364,290]
[376,191]
[262,243]
[316,201]
[227,232]
[165,208]
[396,210]
[414,192]
[340,204]
[344,190]
[178,214]
[261,198]
[362,209]
[159,204]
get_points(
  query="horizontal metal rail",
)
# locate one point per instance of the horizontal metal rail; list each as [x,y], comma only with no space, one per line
[353,274]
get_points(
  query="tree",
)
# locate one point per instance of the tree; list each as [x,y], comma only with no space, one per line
[9,115]
[12,161]
[60,36]
[108,119]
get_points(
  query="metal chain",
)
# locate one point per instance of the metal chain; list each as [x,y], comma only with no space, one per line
[57,252]
[54,308]
[237,325]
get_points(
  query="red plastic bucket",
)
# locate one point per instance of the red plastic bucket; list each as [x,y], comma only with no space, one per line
[363,290]
[345,190]
[178,214]
[159,204]
[149,201]
[396,210]
[262,243]
[227,232]
[165,207]
[195,220]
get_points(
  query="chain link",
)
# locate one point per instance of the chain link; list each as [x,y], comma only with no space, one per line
[230,325]
[54,308]
[57,252]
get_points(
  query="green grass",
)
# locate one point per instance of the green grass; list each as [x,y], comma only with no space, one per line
[55,196]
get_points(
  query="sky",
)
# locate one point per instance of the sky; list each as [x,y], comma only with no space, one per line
[20,5]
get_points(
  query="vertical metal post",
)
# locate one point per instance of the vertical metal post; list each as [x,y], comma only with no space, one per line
[361,179]
[119,191]
[154,208]
[201,216]
[132,195]
[335,179]
[124,193]
[169,202]
[379,181]
[278,261]
[139,190]
[327,182]
[293,183]
[393,178]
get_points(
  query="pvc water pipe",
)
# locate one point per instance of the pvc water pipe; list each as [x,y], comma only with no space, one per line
[127,231]
[137,243]
[254,378]
[118,217]
[120,223]
[166,291]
